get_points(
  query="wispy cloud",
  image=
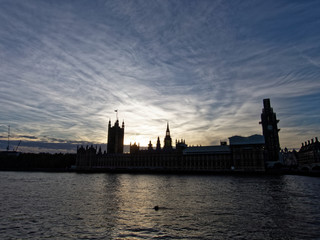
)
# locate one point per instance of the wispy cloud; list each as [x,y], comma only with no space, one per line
[203,66]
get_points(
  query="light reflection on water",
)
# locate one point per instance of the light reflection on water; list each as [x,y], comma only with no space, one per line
[120,206]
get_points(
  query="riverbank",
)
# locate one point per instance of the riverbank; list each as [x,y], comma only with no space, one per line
[45,162]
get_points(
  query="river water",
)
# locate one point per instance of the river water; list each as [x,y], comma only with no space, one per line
[121,206]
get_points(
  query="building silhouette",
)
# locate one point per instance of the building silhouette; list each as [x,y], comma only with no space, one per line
[270,131]
[158,148]
[115,138]
[309,155]
[248,153]
[167,140]
[242,154]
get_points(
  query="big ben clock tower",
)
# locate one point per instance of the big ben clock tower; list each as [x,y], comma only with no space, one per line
[270,131]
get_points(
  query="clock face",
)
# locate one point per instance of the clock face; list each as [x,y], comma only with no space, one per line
[270,127]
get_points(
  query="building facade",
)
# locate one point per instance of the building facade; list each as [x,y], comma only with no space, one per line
[115,138]
[309,155]
[243,154]
[270,131]
[248,153]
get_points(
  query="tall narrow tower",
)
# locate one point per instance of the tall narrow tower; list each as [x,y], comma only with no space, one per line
[270,131]
[158,148]
[167,140]
[115,138]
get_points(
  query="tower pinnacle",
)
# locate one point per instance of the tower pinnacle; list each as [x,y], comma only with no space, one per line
[167,139]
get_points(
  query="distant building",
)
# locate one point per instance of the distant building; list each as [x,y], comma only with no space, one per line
[309,155]
[270,131]
[290,158]
[134,148]
[86,156]
[115,138]
[243,154]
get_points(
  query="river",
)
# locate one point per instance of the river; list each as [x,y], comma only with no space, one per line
[35,205]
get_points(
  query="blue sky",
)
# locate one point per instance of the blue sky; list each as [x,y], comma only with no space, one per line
[204,66]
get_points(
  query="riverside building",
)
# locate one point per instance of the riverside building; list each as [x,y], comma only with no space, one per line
[309,155]
[242,154]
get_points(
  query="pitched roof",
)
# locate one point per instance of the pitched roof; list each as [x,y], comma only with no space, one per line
[239,140]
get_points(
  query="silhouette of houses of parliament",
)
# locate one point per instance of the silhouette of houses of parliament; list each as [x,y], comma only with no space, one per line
[115,137]
[243,154]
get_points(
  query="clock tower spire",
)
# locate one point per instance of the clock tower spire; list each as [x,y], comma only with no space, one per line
[270,131]
[167,139]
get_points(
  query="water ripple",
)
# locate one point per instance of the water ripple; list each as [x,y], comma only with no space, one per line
[121,206]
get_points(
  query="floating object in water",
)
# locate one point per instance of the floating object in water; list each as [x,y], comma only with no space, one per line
[156,208]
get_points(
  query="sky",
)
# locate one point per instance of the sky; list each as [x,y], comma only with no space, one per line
[202,66]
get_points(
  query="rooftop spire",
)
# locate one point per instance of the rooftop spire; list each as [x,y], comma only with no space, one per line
[168,131]
[116,111]
[158,144]
[167,139]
